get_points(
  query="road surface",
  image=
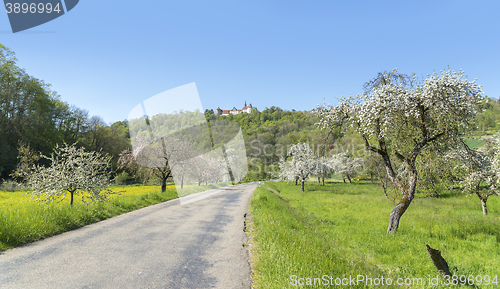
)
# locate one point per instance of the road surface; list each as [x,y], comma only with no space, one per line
[198,244]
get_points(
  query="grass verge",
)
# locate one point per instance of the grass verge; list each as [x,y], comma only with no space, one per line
[339,231]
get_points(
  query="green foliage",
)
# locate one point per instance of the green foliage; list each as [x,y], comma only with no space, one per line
[29,112]
[474,143]
[339,230]
[121,179]
[488,117]
[436,173]
[270,133]
[26,160]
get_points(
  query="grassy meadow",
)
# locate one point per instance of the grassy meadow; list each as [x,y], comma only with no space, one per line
[24,220]
[339,230]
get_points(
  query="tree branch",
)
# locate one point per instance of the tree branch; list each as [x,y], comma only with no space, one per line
[399,156]
[368,146]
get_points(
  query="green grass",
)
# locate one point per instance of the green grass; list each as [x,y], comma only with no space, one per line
[23,220]
[339,230]
[474,143]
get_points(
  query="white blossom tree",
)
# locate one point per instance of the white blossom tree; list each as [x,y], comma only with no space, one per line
[286,171]
[480,169]
[74,171]
[323,168]
[161,157]
[346,166]
[398,116]
[218,169]
[148,160]
[301,165]
[208,167]
[200,169]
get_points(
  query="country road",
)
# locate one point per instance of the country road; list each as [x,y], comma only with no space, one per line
[198,244]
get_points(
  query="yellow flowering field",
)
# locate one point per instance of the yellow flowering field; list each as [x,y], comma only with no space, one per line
[137,190]
[9,199]
[24,220]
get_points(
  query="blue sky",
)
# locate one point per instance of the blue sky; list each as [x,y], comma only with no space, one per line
[108,56]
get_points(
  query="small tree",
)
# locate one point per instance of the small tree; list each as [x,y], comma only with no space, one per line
[161,157]
[480,169]
[74,171]
[346,166]
[286,171]
[26,159]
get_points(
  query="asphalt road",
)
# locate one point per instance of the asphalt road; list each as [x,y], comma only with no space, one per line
[198,244]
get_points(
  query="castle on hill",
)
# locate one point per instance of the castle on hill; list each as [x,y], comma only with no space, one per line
[245,109]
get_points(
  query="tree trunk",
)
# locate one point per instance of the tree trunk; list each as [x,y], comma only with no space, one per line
[302,186]
[397,212]
[319,179]
[182,182]
[383,181]
[323,180]
[483,203]
[348,178]
[384,187]
[71,201]
[296,180]
[408,193]
[163,184]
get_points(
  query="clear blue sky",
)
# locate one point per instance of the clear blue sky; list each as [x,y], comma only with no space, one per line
[108,56]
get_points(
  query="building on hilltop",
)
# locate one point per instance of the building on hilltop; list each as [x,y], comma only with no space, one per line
[245,109]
